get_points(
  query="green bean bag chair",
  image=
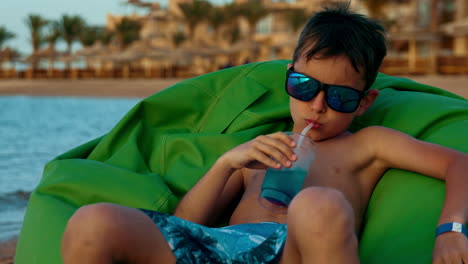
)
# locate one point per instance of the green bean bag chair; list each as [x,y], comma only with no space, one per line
[161,148]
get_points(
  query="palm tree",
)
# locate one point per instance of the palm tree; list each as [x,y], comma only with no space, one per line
[35,24]
[127,31]
[5,35]
[6,54]
[90,34]
[52,36]
[216,18]
[194,13]
[105,36]
[232,12]
[71,27]
[253,11]
[53,33]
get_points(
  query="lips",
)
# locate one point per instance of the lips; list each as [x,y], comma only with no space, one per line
[316,124]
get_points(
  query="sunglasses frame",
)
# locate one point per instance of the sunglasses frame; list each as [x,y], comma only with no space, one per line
[323,87]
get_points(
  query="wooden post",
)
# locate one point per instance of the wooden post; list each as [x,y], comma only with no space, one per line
[460,41]
[29,73]
[126,71]
[412,55]
[434,42]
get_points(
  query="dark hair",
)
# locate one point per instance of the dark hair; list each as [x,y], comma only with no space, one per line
[337,30]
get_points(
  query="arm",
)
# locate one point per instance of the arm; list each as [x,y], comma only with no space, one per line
[224,181]
[220,185]
[404,152]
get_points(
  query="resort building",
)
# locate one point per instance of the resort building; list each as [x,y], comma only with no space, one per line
[425,36]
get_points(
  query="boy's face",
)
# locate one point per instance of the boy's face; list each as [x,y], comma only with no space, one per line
[329,123]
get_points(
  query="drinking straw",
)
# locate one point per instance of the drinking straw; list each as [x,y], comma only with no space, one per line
[304,132]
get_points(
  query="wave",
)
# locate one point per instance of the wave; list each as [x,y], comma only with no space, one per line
[17,199]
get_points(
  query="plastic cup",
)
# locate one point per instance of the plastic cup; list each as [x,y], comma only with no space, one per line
[281,185]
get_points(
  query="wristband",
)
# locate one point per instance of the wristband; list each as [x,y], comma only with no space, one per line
[451,227]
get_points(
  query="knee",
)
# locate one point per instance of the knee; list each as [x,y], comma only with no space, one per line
[90,222]
[93,215]
[320,209]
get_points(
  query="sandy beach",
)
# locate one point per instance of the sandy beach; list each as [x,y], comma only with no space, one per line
[140,88]
[7,251]
[96,88]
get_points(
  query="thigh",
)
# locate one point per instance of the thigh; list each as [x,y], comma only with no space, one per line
[115,232]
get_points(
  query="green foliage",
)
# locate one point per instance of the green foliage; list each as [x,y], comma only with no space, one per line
[106,36]
[71,28]
[127,31]
[216,17]
[5,35]
[90,34]
[36,24]
[54,32]
[296,18]
[178,38]
[194,13]
[253,11]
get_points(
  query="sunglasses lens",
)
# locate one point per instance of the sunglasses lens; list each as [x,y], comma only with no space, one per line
[343,99]
[301,87]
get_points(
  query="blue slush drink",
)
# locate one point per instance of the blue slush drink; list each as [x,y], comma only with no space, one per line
[281,185]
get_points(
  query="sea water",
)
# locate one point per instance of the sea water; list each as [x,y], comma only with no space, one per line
[33,131]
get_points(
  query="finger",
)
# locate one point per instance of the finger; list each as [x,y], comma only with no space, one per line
[273,153]
[278,144]
[465,257]
[266,160]
[286,139]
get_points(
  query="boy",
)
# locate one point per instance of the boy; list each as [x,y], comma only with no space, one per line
[334,64]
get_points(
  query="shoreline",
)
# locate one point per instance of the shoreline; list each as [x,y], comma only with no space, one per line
[141,88]
[131,88]
[7,250]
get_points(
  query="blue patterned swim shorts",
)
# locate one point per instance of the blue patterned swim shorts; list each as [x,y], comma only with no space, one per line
[244,243]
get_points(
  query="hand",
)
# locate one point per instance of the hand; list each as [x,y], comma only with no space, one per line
[450,247]
[273,150]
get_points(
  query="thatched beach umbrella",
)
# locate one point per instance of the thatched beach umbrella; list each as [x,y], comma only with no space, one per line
[96,49]
[7,58]
[50,54]
[92,56]
[8,55]
[47,53]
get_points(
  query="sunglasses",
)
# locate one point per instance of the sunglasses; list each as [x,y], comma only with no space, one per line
[339,98]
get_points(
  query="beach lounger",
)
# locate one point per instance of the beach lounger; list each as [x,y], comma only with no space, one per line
[161,147]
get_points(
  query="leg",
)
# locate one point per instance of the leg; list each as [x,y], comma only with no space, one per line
[108,233]
[320,228]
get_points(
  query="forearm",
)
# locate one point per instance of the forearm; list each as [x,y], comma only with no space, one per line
[455,206]
[201,202]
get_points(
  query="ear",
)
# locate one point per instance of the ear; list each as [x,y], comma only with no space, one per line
[367,101]
[289,65]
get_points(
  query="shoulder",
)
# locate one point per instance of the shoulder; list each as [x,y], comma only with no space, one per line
[376,131]
[377,142]
[369,137]
[379,136]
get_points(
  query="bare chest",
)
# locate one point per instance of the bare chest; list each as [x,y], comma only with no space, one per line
[325,172]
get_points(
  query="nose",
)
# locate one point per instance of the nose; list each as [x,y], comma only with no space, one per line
[318,103]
